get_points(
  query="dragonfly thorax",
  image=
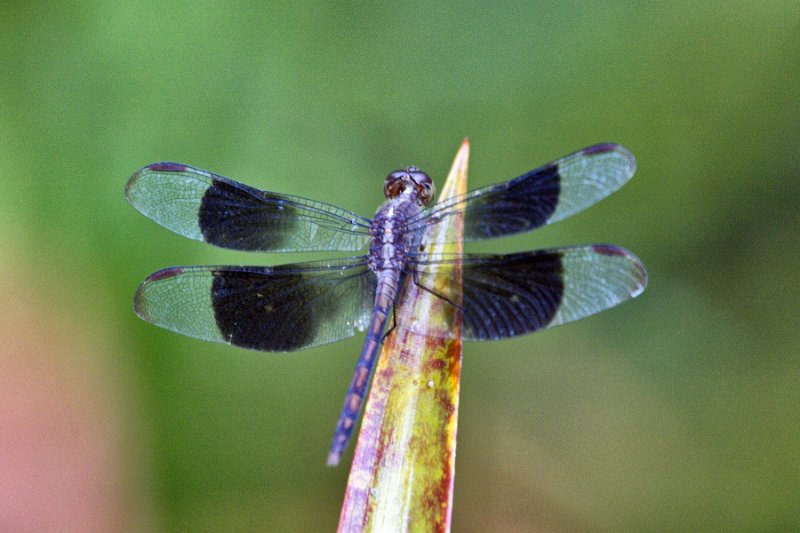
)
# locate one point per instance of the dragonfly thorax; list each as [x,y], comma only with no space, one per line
[391,239]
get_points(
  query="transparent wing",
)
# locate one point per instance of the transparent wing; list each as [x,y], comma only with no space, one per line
[542,196]
[277,309]
[509,295]
[211,208]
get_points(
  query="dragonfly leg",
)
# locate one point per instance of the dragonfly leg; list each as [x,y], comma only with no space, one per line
[433,292]
[394,325]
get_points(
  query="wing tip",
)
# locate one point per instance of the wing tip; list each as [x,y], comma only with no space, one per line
[166,166]
[638,269]
[129,195]
[610,249]
[139,299]
[609,147]
[164,273]
[163,166]
[600,148]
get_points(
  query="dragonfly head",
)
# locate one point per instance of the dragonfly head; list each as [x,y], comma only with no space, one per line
[412,179]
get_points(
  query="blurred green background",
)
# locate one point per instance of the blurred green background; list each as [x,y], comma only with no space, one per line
[677,411]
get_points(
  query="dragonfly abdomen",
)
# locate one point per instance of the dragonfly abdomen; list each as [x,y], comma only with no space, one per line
[385,295]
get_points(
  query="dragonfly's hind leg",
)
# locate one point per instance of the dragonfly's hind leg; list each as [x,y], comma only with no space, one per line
[433,292]
[394,324]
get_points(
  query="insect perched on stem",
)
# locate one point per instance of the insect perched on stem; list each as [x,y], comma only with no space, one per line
[295,306]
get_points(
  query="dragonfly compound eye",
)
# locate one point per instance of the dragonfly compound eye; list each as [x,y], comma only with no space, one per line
[395,183]
[423,184]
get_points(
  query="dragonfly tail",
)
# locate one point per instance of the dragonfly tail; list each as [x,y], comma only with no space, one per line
[356,393]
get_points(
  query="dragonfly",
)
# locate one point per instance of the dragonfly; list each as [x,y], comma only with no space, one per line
[291,307]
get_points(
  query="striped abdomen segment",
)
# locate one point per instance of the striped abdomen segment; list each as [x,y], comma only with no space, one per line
[385,294]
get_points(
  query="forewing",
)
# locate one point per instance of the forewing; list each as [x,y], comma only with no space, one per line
[207,207]
[509,295]
[277,309]
[542,196]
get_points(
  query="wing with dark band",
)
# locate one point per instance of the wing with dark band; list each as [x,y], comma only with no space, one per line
[509,295]
[277,309]
[211,208]
[547,194]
